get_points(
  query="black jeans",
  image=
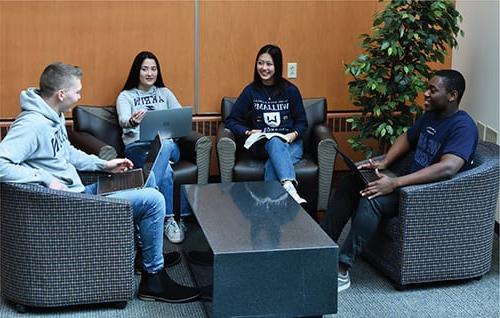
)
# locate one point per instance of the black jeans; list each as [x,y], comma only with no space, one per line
[346,203]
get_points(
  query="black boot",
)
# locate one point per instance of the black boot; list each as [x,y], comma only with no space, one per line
[160,286]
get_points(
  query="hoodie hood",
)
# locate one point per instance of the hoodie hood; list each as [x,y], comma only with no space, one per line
[31,101]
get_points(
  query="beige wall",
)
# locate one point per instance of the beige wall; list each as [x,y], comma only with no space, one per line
[318,35]
[102,37]
[477,57]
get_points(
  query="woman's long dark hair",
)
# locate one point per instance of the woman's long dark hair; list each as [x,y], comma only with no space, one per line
[133,75]
[279,82]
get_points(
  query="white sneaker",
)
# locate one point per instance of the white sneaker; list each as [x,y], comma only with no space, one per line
[173,232]
[293,192]
[344,282]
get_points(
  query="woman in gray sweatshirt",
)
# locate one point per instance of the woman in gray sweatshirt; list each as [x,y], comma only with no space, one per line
[145,91]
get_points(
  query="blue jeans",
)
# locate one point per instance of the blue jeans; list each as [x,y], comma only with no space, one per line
[148,207]
[138,151]
[282,157]
[365,216]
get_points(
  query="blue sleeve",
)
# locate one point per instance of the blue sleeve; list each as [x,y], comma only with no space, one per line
[236,119]
[297,110]
[462,140]
[413,132]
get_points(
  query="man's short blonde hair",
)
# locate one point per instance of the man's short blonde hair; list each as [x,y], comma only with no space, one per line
[57,76]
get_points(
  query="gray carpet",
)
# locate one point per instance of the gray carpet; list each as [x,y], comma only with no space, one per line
[135,308]
[371,295]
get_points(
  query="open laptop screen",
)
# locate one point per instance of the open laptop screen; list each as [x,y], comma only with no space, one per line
[170,123]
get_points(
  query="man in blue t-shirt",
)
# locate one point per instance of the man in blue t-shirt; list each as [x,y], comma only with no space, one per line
[444,140]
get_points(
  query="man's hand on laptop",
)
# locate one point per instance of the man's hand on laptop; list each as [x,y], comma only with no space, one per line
[118,165]
[382,186]
[373,164]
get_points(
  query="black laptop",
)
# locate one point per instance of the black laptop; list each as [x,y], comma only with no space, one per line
[135,178]
[365,175]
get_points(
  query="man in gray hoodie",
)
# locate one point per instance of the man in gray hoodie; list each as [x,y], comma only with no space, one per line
[36,150]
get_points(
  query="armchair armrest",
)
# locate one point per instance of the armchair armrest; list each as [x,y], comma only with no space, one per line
[323,148]
[455,212]
[90,144]
[196,148]
[226,152]
[59,225]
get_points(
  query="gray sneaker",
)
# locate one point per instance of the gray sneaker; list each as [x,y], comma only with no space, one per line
[173,232]
[344,282]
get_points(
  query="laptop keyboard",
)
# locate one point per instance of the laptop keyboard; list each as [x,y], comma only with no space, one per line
[369,175]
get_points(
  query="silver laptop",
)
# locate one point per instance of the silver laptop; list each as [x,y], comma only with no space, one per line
[169,123]
[135,178]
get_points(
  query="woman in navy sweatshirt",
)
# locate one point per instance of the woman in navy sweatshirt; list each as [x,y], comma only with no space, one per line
[274,105]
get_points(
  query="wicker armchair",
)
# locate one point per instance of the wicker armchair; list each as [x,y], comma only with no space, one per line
[96,131]
[444,230]
[314,171]
[60,248]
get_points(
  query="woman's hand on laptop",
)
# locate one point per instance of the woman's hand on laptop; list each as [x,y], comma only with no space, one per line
[118,165]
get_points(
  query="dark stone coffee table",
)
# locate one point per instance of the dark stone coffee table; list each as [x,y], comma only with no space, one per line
[270,258]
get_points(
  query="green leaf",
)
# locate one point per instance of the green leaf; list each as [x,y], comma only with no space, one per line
[389,129]
[389,51]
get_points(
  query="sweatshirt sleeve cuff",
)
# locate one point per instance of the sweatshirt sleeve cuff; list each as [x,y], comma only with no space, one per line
[101,165]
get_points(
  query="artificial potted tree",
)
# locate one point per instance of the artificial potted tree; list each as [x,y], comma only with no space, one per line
[394,68]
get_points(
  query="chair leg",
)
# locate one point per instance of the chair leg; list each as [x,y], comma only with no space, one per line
[21,308]
[400,287]
[120,304]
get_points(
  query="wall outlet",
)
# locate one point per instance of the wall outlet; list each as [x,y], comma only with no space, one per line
[292,70]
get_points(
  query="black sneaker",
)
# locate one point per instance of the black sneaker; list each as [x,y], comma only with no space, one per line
[169,260]
[160,286]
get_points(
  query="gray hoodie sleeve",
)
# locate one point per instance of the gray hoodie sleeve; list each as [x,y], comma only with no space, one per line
[83,161]
[16,150]
[124,109]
